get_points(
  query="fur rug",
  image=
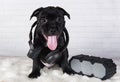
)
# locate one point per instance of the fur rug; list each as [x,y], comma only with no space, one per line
[16,69]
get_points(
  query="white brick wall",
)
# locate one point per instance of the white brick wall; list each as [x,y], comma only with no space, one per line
[94,26]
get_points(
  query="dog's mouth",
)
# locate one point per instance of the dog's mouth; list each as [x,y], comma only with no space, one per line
[51,41]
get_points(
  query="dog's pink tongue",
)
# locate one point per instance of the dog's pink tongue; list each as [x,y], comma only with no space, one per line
[52,42]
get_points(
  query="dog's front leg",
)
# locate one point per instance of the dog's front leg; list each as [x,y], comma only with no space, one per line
[64,64]
[37,65]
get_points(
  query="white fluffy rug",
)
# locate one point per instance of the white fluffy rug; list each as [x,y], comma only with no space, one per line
[16,69]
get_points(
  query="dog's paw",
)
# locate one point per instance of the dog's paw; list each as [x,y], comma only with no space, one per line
[34,75]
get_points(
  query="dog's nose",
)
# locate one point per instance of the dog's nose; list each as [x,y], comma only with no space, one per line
[52,31]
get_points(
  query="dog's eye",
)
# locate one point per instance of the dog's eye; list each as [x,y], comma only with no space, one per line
[43,20]
[59,19]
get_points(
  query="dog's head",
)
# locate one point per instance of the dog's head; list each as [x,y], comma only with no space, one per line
[50,22]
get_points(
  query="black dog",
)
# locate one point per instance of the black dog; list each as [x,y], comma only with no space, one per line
[50,41]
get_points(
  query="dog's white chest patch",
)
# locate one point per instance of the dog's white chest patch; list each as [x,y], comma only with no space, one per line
[47,65]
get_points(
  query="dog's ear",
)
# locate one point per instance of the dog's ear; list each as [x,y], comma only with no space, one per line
[65,13]
[36,12]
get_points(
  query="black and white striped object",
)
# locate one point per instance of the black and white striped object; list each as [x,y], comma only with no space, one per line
[91,66]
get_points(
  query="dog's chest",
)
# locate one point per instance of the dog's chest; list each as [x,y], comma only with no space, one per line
[47,65]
